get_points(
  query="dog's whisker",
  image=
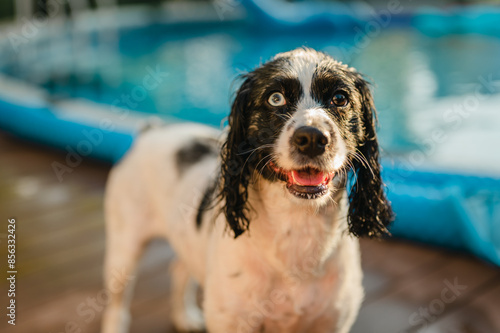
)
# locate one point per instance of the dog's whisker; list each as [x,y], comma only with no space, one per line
[270,145]
[362,159]
[255,150]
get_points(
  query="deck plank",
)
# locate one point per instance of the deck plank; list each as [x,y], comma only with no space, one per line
[480,315]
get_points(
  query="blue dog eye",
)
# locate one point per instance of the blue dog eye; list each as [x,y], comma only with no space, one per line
[276,99]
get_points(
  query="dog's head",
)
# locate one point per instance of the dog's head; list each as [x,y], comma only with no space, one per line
[307,123]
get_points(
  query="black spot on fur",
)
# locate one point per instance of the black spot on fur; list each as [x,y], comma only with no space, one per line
[205,202]
[193,153]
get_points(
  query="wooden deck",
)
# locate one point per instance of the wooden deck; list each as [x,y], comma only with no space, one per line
[60,244]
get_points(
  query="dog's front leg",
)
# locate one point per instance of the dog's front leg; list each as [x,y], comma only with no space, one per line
[186,315]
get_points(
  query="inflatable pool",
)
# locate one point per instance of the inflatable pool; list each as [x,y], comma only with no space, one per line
[95,111]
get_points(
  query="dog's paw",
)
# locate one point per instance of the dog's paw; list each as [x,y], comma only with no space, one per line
[189,321]
[115,320]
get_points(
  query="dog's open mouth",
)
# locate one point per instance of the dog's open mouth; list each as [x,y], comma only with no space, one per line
[307,183]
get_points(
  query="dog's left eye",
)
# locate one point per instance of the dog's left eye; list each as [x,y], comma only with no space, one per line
[339,99]
[276,99]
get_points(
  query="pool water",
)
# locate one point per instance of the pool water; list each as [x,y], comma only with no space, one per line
[437,97]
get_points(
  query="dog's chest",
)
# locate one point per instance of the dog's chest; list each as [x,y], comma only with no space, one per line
[294,271]
[294,302]
[297,289]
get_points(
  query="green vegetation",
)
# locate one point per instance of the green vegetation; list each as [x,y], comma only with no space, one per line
[6,9]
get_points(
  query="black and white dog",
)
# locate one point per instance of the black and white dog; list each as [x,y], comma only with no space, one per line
[264,221]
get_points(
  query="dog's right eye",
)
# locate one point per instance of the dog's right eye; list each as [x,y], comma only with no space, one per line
[276,99]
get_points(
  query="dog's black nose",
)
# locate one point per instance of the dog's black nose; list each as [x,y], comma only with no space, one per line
[310,141]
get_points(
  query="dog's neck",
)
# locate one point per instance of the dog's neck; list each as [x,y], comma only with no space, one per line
[296,236]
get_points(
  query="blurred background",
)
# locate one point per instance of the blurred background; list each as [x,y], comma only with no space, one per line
[79,78]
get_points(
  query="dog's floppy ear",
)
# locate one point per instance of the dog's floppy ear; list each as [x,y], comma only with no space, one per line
[369,211]
[235,169]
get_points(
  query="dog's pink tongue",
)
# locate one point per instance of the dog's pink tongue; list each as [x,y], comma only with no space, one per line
[308,178]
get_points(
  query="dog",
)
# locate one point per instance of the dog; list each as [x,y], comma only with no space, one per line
[265,216]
